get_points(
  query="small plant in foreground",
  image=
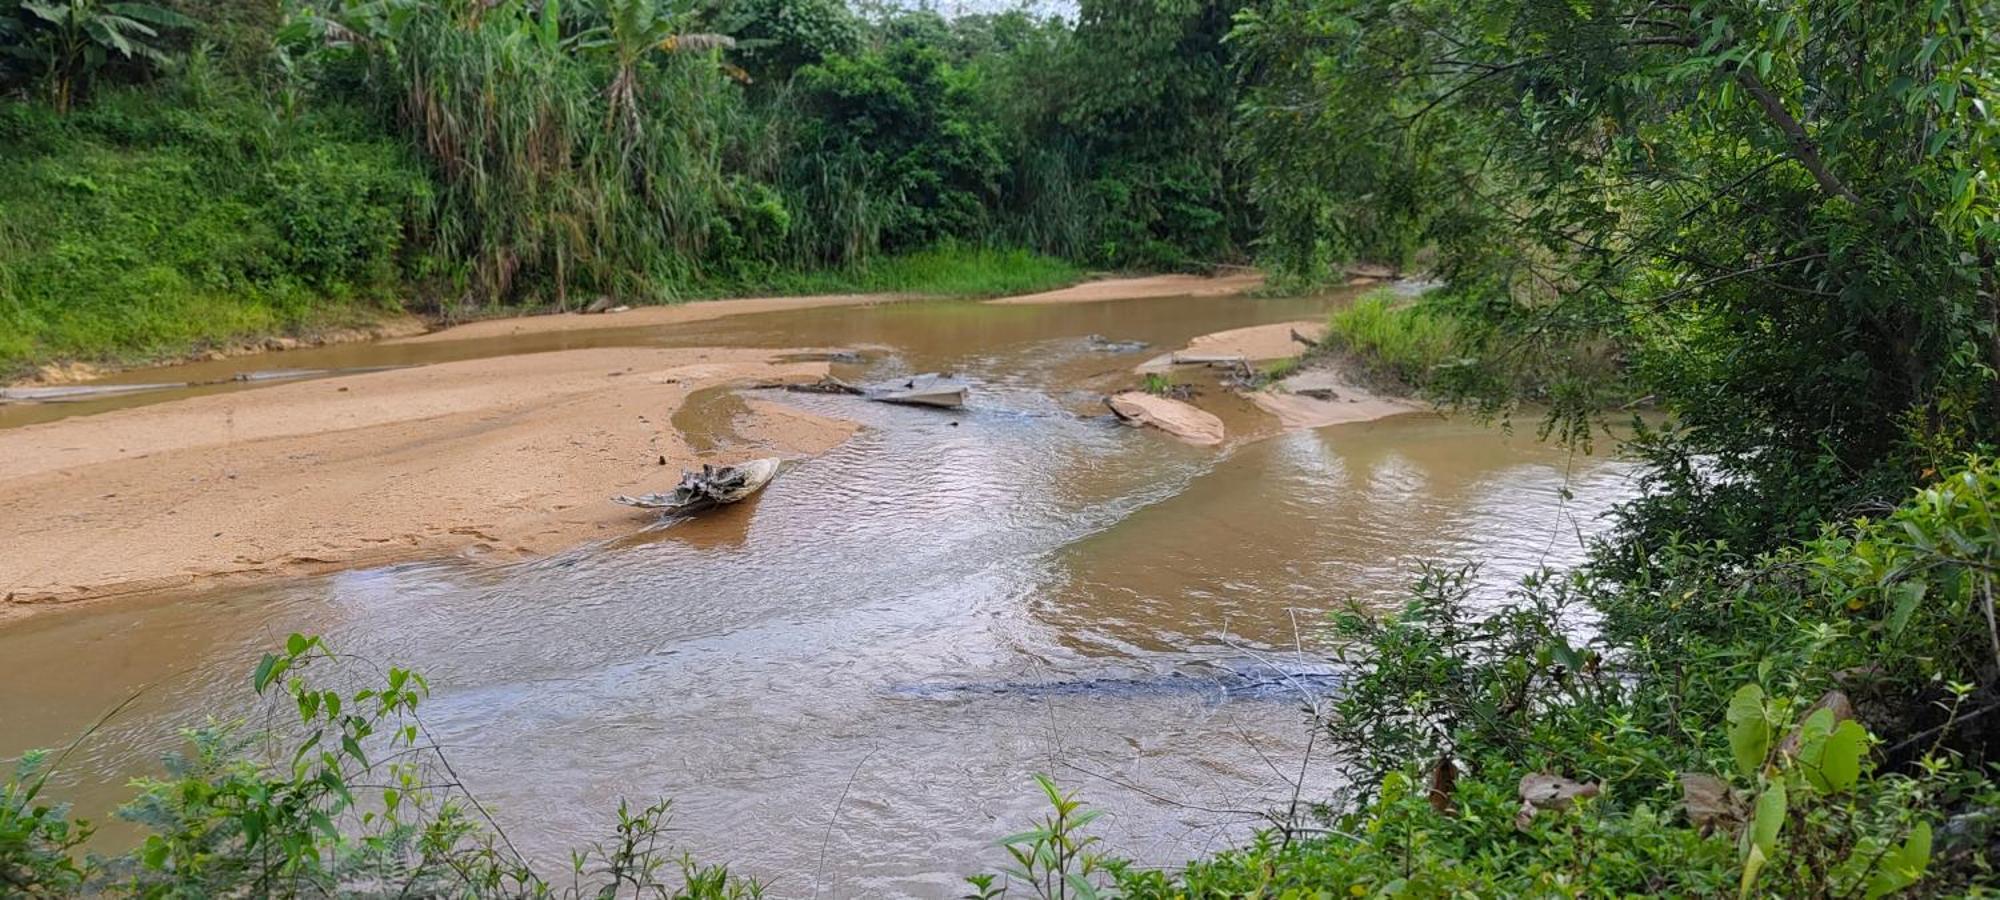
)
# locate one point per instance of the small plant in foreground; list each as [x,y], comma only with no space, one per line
[1055,859]
[350,798]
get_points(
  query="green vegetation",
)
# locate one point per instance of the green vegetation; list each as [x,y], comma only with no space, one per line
[264,172]
[363,804]
[1776,219]
[947,271]
[151,221]
[1407,341]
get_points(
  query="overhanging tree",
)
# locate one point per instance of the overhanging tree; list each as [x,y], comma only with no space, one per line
[1780,215]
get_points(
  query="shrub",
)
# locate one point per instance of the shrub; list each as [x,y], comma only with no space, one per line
[1803,723]
[353,800]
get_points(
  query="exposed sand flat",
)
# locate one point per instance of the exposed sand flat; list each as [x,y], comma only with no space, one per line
[1257,343]
[509,455]
[1141,288]
[1348,403]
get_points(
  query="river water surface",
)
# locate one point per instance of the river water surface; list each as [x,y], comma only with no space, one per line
[846,684]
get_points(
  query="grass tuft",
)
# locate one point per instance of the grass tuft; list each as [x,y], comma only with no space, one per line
[1405,340]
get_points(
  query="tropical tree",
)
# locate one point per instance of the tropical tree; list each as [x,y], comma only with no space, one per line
[65,43]
[1780,215]
[631,30]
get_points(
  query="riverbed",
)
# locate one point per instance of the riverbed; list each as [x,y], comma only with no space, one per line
[847,683]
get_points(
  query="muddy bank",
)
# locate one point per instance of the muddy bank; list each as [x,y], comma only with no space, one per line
[490,445]
[73,372]
[1102,289]
[511,455]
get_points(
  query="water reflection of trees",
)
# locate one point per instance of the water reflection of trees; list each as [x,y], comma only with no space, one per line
[1287,528]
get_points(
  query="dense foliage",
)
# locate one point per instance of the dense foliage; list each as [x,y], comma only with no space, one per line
[1779,216]
[459,156]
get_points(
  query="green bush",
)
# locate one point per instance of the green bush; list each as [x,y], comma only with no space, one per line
[359,802]
[904,117]
[1805,723]
[1405,340]
[141,226]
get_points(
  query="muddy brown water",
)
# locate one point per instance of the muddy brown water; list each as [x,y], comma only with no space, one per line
[846,684]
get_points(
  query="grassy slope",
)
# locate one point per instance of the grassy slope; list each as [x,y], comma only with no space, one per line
[147,225]
[153,224]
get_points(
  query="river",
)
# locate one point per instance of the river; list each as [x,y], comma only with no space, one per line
[846,684]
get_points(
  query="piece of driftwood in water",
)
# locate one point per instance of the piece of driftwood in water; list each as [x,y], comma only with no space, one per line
[827,384]
[928,389]
[710,487]
[1216,360]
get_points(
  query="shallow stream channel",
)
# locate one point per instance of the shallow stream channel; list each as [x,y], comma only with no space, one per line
[846,683]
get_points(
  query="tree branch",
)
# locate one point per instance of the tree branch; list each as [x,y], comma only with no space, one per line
[1803,148]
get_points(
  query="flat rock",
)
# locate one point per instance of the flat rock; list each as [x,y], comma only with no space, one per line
[1317,398]
[1182,420]
[1240,346]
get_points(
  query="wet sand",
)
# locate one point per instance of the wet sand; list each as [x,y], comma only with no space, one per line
[503,456]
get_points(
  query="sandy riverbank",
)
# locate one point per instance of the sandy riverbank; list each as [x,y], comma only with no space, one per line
[503,457]
[1143,287]
[1104,289]
[509,455]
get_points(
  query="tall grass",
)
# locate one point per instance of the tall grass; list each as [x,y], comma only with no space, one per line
[566,173]
[950,271]
[1407,340]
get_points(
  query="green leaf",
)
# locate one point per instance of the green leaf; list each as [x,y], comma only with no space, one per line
[1752,864]
[296,644]
[146,12]
[1749,732]
[1908,594]
[1903,866]
[266,670]
[155,855]
[1769,818]
[551,24]
[1833,762]
[48,12]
